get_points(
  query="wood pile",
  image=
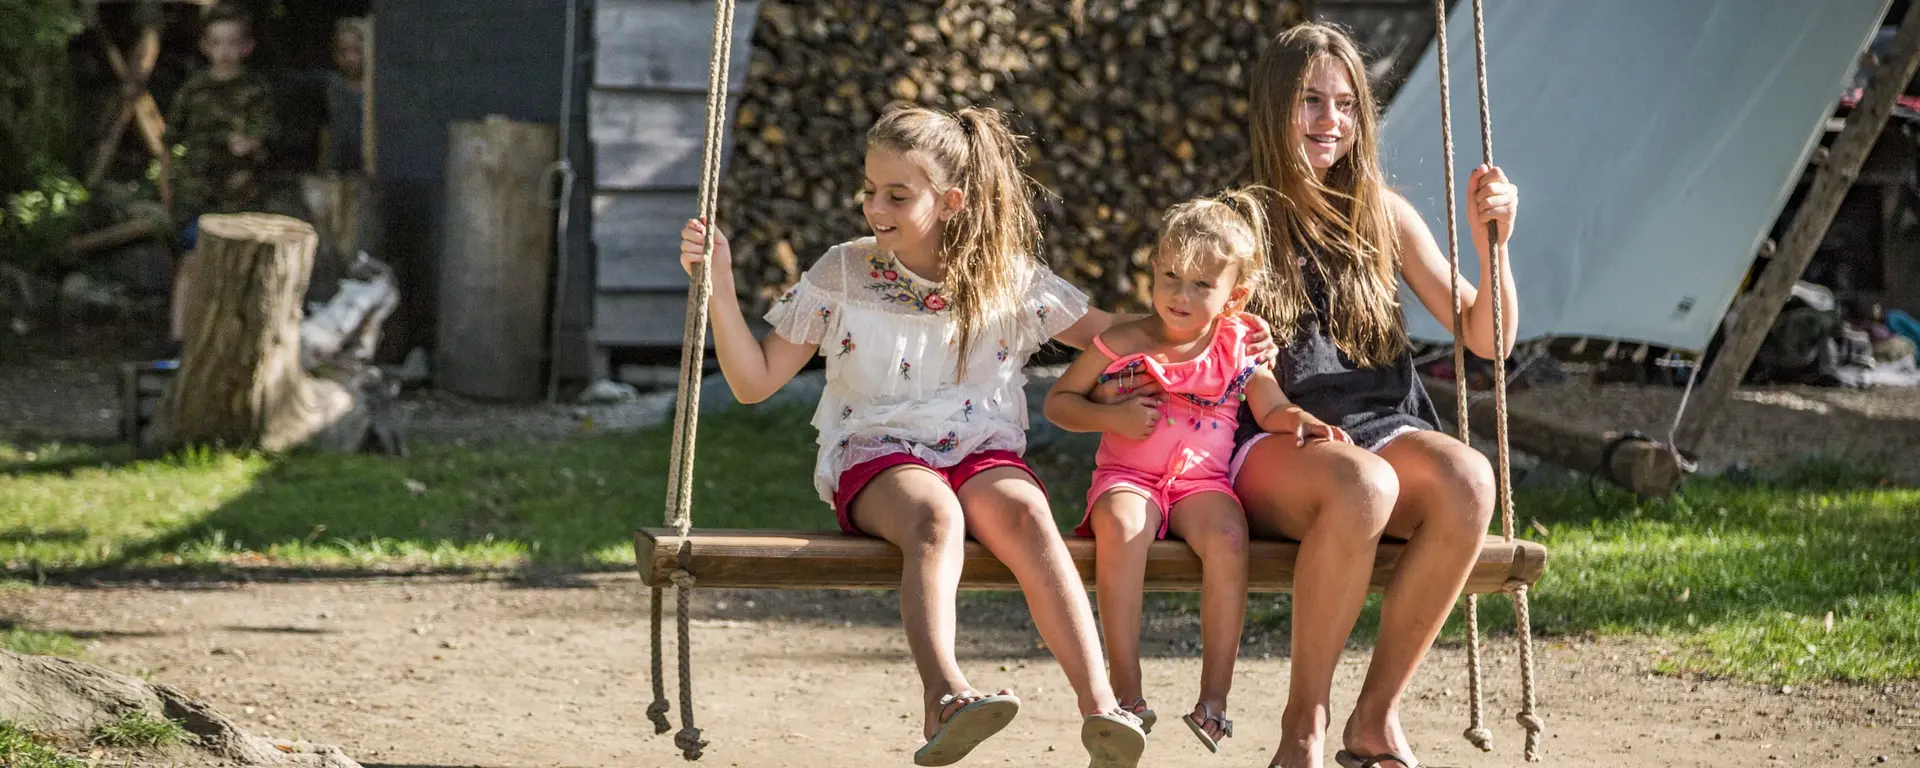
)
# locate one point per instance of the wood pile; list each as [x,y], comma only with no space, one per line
[1132,106]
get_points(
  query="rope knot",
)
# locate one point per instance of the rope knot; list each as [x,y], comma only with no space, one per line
[689,742]
[1480,737]
[657,712]
[682,579]
[1531,722]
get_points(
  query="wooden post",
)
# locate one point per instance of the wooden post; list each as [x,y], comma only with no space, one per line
[240,383]
[1754,313]
[496,260]
[367,133]
[1644,467]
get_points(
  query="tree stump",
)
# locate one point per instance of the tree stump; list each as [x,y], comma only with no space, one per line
[240,383]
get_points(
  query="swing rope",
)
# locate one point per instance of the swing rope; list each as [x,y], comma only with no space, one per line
[686,414]
[1477,733]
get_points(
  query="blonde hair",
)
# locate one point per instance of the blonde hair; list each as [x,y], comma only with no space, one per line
[1341,223]
[990,246]
[1228,228]
[352,26]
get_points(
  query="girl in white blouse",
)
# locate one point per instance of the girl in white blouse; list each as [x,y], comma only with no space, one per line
[925,327]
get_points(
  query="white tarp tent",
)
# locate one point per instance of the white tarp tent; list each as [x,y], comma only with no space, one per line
[1654,141]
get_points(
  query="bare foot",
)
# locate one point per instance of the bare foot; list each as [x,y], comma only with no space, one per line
[1302,741]
[1366,736]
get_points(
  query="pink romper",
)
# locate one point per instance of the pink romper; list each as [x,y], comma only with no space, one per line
[1191,450]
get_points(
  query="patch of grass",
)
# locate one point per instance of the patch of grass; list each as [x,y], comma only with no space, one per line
[571,504]
[1735,577]
[139,730]
[37,643]
[18,749]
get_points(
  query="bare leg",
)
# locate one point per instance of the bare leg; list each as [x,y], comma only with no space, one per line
[1446,499]
[912,507]
[1215,526]
[1334,499]
[1007,512]
[1124,524]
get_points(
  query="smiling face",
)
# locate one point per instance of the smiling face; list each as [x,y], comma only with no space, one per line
[1190,293]
[903,206]
[1326,121]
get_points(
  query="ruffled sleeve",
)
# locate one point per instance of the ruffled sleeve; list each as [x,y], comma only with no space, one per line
[809,311]
[1052,305]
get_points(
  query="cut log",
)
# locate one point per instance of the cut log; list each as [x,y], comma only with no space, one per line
[240,383]
[832,560]
[1643,466]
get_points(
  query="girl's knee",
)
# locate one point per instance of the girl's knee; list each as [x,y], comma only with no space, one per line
[1122,518]
[937,524]
[1363,489]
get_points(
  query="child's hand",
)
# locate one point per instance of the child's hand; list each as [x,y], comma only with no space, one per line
[1312,430]
[693,247]
[1260,343]
[1491,198]
[1134,419]
[242,144]
[1115,390]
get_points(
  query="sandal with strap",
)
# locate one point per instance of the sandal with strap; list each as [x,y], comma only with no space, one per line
[1350,760]
[1113,739]
[1208,717]
[1140,710]
[977,719]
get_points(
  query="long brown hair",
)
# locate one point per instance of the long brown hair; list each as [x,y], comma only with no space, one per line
[1342,223]
[1230,227]
[990,246]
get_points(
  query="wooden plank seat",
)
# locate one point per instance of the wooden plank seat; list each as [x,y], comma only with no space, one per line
[756,559]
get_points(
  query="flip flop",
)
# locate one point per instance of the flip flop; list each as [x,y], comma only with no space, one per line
[1350,760]
[963,730]
[1140,709]
[1199,727]
[1113,740]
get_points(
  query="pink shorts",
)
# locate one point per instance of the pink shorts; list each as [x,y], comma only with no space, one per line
[1164,492]
[856,478]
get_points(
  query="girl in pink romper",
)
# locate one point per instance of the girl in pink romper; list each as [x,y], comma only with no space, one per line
[1163,462]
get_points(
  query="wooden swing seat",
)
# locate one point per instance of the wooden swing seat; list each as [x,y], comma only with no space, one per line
[758,559]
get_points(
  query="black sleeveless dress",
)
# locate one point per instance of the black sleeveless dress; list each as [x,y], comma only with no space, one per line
[1371,404]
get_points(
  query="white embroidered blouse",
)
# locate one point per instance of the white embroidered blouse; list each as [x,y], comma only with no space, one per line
[892,354]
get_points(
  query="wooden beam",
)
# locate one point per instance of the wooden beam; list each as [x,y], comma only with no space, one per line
[833,560]
[1641,466]
[1753,314]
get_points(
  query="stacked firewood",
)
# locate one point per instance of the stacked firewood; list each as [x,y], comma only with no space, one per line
[1132,106]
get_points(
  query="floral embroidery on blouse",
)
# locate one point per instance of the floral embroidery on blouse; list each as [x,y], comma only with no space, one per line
[966,411]
[906,369]
[898,288]
[946,443]
[1002,354]
[846,346]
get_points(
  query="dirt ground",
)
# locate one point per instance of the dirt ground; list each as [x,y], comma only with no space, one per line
[501,674]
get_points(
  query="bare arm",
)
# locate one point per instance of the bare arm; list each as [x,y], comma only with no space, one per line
[1275,413]
[1069,407]
[1490,197]
[1081,334]
[754,368]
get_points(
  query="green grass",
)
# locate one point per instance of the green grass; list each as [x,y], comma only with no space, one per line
[567,504]
[139,730]
[36,643]
[19,750]
[1734,578]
